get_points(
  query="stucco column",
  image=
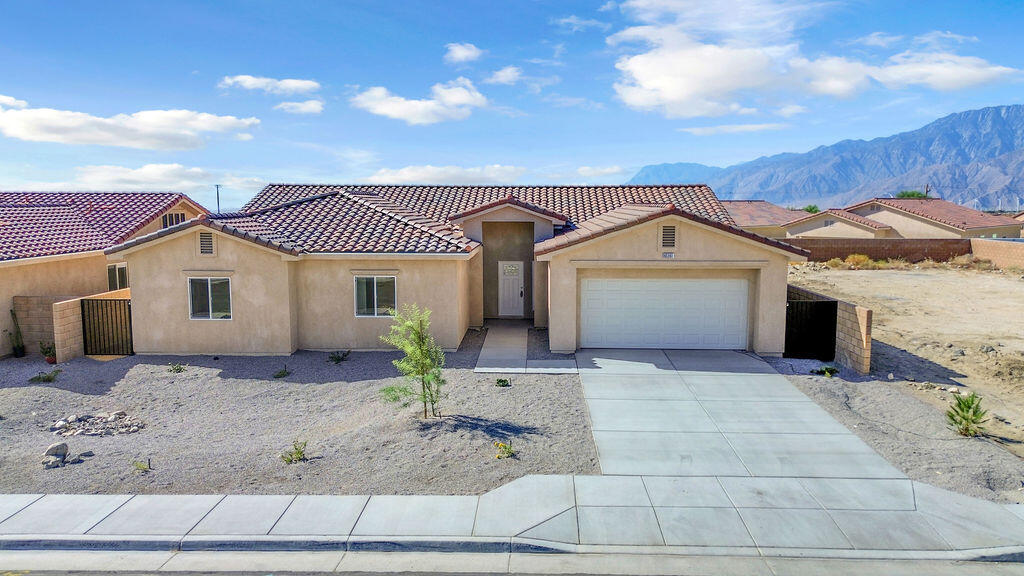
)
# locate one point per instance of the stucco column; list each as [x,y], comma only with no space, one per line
[562,306]
[770,334]
[540,294]
[476,290]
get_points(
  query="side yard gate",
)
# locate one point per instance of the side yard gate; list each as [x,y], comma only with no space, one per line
[811,329]
[107,326]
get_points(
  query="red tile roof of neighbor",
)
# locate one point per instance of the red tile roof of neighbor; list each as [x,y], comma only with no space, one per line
[417,219]
[34,224]
[942,211]
[753,213]
[850,216]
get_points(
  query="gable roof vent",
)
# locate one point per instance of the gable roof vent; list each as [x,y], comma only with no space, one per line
[206,242]
[668,236]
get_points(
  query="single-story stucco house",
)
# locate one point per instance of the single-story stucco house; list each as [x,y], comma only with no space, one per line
[836,223]
[935,218]
[321,266]
[762,217]
[51,243]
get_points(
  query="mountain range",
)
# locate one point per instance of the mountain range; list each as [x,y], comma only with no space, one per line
[975,158]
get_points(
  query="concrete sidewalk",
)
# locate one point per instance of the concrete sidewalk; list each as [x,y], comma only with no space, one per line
[505,351]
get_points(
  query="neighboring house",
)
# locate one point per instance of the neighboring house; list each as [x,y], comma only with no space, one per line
[51,243]
[935,218]
[320,267]
[836,223]
[761,217]
[1019,217]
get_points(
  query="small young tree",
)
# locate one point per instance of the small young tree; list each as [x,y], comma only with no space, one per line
[811,208]
[422,361]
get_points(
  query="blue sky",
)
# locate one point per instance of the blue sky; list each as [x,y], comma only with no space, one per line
[183,95]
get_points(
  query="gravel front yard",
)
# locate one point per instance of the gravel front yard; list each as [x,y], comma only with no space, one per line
[221,425]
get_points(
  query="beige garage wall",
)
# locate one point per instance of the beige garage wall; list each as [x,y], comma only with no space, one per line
[261,321]
[841,229]
[65,277]
[702,252]
[326,300]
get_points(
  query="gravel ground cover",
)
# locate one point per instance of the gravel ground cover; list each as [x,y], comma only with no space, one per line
[220,425]
[539,349]
[911,433]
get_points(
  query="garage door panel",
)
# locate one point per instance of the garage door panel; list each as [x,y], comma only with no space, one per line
[664,313]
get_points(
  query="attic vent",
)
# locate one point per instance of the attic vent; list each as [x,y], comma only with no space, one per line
[172,218]
[668,236]
[206,243]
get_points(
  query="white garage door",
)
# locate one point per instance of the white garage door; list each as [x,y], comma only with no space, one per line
[663,313]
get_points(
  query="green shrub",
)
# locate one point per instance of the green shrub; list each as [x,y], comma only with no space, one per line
[338,357]
[142,467]
[912,194]
[811,209]
[503,382]
[966,415]
[176,368]
[282,372]
[296,454]
[828,371]
[45,376]
[48,349]
[835,263]
[859,261]
[421,362]
[505,450]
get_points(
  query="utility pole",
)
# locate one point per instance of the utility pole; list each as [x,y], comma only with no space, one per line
[927,189]
[217,186]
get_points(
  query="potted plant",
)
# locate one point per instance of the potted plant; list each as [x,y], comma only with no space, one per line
[49,351]
[17,344]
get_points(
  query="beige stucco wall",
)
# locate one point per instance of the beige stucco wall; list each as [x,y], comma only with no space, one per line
[157,223]
[475,280]
[542,227]
[702,252]
[815,228]
[261,320]
[907,225]
[68,276]
[777,232]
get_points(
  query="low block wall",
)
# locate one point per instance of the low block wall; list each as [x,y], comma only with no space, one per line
[67,324]
[853,330]
[35,317]
[910,249]
[1002,253]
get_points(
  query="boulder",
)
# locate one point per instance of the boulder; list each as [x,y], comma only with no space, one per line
[58,450]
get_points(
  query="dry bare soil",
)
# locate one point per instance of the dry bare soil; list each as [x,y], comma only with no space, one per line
[939,328]
[220,425]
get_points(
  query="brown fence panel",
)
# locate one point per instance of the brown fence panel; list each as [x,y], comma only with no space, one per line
[107,326]
[910,249]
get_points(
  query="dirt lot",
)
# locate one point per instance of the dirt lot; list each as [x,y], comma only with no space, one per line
[221,425]
[935,329]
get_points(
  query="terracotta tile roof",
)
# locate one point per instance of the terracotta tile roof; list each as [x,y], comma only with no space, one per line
[840,213]
[942,211]
[510,201]
[34,224]
[577,203]
[332,222]
[753,213]
[632,214]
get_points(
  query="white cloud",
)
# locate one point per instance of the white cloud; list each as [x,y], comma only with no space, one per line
[428,174]
[11,102]
[608,6]
[562,101]
[453,100]
[574,23]
[791,110]
[833,75]
[939,39]
[306,107]
[147,129]
[598,171]
[461,52]
[731,129]
[877,40]
[743,22]
[508,75]
[270,85]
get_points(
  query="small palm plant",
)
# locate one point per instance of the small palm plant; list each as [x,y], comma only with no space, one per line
[966,415]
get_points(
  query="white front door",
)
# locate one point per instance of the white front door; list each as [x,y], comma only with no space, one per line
[664,313]
[510,288]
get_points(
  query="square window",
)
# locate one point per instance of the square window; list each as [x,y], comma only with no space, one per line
[376,295]
[209,298]
[117,276]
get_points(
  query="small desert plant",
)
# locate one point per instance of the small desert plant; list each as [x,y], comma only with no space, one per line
[297,453]
[503,382]
[176,368]
[505,450]
[282,372]
[858,261]
[142,467]
[828,371]
[966,415]
[339,357]
[970,262]
[835,263]
[45,376]
[421,363]
[48,349]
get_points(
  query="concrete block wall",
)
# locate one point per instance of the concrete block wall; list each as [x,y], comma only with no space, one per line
[853,330]
[35,317]
[1002,253]
[910,249]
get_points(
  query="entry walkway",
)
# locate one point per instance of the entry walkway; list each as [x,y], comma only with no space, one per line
[505,351]
[703,454]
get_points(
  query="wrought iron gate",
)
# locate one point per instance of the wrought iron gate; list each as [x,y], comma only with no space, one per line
[107,326]
[811,329]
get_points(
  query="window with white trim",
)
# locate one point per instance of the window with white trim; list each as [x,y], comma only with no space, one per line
[117,276]
[172,219]
[207,246]
[209,298]
[668,236]
[376,295]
